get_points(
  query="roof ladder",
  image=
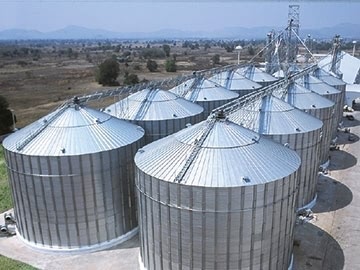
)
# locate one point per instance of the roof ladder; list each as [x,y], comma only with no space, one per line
[45,123]
[197,146]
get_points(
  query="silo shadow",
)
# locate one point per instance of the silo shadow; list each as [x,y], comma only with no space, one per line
[350,123]
[332,195]
[316,249]
[341,160]
[347,138]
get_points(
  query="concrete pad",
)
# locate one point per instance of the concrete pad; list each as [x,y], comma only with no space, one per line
[331,240]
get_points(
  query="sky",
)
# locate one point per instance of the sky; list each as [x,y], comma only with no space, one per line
[153,15]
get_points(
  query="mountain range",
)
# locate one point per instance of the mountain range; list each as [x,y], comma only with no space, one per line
[346,30]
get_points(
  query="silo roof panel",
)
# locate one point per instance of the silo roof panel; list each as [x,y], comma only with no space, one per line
[234,81]
[272,116]
[230,156]
[206,90]
[74,131]
[316,85]
[302,98]
[148,105]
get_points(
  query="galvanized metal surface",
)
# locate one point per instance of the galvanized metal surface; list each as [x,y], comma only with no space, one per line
[235,82]
[316,105]
[257,75]
[205,93]
[228,150]
[336,83]
[215,219]
[64,136]
[349,66]
[317,86]
[159,112]
[82,198]
[289,126]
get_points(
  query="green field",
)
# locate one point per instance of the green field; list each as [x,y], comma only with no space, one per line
[9,264]
[5,194]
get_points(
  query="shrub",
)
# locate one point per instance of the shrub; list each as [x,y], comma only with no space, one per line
[151,65]
[216,59]
[108,72]
[170,65]
[131,79]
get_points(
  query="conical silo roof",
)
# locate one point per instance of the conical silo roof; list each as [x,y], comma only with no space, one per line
[272,116]
[154,104]
[279,74]
[303,99]
[73,130]
[327,77]
[318,86]
[234,81]
[205,90]
[230,155]
[255,74]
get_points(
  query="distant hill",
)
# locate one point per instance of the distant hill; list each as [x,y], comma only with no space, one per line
[77,32]
[345,30]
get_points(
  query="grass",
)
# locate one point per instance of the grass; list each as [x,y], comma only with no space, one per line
[9,264]
[5,194]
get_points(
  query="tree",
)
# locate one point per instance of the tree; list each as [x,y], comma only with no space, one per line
[251,50]
[131,79]
[6,117]
[216,59]
[166,49]
[170,65]
[108,72]
[229,48]
[151,65]
[152,53]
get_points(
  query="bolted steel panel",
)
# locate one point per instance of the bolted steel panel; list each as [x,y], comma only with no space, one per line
[80,199]
[318,106]
[336,83]
[289,126]
[257,75]
[205,93]
[201,223]
[159,112]
[235,82]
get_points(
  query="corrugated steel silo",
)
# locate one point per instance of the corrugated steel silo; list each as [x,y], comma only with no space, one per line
[235,82]
[314,84]
[334,82]
[316,105]
[257,75]
[72,180]
[159,112]
[289,126]
[216,196]
[205,93]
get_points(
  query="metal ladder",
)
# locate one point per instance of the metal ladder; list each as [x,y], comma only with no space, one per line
[197,147]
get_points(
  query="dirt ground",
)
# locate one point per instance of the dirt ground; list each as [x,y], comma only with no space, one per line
[34,86]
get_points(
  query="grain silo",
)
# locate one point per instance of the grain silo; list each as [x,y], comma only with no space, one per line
[312,83]
[289,126]
[72,180]
[159,112]
[257,75]
[235,82]
[205,93]
[316,105]
[211,198]
[334,82]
